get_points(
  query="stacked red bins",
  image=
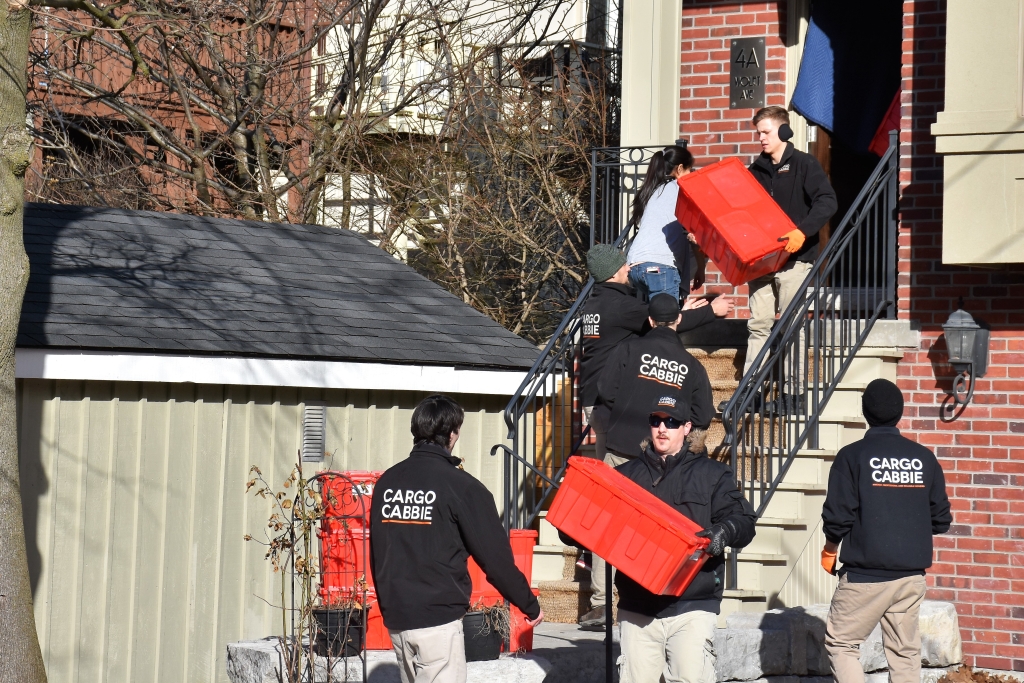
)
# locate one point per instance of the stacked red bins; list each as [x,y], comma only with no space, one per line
[637,533]
[345,547]
[523,541]
[736,223]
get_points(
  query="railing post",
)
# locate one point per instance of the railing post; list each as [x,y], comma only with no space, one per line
[892,225]
[593,192]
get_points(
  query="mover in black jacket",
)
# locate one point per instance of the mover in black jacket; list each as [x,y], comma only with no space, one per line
[886,498]
[641,370]
[798,184]
[613,315]
[664,630]
[428,516]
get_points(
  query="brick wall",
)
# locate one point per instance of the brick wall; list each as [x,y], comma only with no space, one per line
[979,565]
[714,130]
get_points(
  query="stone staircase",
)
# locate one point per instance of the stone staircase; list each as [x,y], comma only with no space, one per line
[780,567]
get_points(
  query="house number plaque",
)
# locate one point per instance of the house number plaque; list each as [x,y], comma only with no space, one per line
[746,73]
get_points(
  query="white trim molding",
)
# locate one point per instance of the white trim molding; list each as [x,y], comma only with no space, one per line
[169,368]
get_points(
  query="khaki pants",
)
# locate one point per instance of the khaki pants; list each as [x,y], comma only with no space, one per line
[431,655]
[597,569]
[682,648]
[857,608]
[770,295]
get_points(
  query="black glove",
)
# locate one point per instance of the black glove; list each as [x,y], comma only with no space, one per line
[720,536]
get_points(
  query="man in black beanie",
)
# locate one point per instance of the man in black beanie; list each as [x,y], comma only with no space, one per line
[886,498]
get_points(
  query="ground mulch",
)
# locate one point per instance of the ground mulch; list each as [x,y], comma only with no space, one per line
[965,674]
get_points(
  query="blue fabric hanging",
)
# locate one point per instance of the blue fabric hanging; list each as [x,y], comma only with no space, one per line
[813,94]
[850,69]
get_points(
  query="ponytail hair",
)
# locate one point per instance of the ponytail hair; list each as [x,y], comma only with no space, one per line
[659,172]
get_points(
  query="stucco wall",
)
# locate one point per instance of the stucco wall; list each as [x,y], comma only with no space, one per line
[135,509]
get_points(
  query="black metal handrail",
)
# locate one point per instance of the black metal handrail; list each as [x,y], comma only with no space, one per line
[777,408]
[543,417]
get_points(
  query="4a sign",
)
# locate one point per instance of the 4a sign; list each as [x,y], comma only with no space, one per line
[746,73]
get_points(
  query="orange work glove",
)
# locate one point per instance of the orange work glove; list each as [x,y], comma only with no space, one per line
[795,239]
[828,561]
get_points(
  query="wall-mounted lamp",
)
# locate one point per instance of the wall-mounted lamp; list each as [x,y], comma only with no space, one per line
[967,342]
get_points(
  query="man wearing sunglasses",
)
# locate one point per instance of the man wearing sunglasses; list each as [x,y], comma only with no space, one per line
[665,635]
[637,372]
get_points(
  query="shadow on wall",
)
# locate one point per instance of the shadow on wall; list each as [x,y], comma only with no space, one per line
[34,486]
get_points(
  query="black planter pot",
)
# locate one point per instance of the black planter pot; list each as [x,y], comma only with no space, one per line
[339,632]
[483,642]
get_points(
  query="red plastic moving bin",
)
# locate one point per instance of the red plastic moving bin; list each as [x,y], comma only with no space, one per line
[523,541]
[637,533]
[736,223]
[344,546]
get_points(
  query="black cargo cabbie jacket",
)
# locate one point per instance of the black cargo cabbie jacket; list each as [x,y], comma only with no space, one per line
[801,189]
[428,516]
[703,490]
[886,497]
[639,372]
[611,316]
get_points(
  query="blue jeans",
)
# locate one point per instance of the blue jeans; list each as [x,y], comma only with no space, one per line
[655,278]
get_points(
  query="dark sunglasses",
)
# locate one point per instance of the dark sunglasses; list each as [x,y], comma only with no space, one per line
[670,422]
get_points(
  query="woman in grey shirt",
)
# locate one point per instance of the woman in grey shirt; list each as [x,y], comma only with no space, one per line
[661,253]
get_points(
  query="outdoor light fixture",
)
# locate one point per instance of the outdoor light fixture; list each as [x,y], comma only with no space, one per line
[967,343]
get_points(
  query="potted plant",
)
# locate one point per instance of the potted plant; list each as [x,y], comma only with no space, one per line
[339,627]
[485,628]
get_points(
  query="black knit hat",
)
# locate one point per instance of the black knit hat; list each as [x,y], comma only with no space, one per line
[882,403]
[663,308]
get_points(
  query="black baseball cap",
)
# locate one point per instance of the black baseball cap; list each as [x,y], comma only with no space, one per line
[672,406]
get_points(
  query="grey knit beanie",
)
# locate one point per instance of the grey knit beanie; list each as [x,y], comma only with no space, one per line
[603,261]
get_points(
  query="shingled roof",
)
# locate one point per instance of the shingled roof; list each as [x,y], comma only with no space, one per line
[142,281]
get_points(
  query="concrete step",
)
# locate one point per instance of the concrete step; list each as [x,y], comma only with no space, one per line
[548,563]
[763,558]
[781,522]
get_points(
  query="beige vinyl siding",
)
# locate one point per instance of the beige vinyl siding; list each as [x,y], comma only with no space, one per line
[135,508]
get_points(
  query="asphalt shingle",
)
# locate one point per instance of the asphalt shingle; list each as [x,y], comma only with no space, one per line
[110,279]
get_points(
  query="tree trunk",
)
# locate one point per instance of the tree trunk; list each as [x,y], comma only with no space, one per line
[20,658]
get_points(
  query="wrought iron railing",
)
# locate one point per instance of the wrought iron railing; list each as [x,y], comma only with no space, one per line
[544,417]
[777,408]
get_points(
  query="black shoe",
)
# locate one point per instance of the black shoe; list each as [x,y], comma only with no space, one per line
[753,407]
[593,620]
[790,403]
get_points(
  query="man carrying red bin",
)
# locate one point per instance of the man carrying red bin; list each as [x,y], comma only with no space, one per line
[664,634]
[798,184]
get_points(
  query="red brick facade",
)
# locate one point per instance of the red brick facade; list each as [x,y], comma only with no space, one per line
[714,131]
[979,565]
